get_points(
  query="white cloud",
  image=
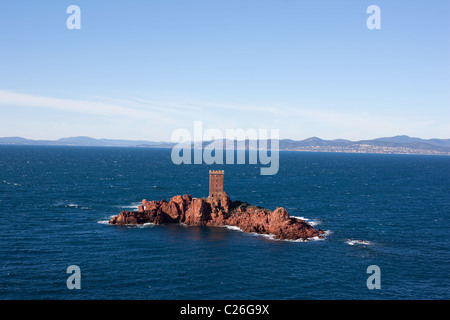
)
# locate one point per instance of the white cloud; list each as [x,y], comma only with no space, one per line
[135,117]
[8,98]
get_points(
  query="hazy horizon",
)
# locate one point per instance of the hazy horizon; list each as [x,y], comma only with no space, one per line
[168,141]
[224,138]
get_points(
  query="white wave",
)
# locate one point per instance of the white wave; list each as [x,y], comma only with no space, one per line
[298,240]
[316,238]
[264,235]
[11,183]
[327,233]
[72,205]
[67,204]
[233,228]
[144,225]
[134,206]
[272,237]
[311,222]
[353,242]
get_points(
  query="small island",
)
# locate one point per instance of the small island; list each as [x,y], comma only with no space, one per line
[219,210]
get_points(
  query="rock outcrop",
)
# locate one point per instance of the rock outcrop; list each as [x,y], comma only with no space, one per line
[219,212]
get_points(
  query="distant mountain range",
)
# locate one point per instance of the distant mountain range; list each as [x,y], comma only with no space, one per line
[398,144]
[77,141]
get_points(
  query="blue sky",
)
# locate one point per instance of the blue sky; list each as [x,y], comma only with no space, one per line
[141,69]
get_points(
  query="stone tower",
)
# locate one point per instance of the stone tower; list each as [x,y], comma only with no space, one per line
[215,183]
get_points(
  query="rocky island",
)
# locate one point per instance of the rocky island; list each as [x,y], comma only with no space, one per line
[219,210]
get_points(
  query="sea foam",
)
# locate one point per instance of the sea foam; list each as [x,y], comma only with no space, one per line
[311,222]
[353,242]
[272,237]
[132,206]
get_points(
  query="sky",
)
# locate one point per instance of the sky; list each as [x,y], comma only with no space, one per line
[142,69]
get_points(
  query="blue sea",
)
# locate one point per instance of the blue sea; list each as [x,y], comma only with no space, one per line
[391,211]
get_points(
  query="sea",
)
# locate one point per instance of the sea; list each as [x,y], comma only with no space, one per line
[385,217]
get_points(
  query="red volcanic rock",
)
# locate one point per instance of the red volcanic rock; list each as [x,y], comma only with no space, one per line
[219,212]
[278,216]
[129,217]
[148,206]
[198,213]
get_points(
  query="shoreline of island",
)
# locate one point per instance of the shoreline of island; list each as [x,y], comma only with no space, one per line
[220,212]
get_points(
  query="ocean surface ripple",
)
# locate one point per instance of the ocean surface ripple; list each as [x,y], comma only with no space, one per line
[386,210]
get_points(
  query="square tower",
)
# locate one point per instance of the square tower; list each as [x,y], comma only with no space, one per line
[215,183]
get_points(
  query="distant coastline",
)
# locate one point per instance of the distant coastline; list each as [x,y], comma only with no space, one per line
[389,145]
